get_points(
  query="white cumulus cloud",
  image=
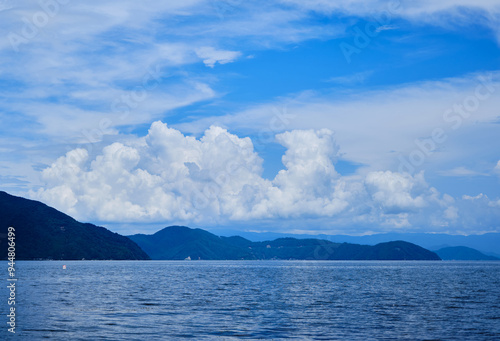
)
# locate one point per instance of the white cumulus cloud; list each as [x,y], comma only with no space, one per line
[396,192]
[167,176]
[164,176]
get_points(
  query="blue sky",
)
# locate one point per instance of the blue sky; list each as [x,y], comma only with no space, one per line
[348,117]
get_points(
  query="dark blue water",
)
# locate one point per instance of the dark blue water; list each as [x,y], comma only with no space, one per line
[230,300]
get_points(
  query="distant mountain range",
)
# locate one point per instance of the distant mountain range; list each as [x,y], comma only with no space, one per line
[487,243]
[42,232]
[180,242]
[462,253]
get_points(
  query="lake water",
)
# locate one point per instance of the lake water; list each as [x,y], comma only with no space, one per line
[231,300]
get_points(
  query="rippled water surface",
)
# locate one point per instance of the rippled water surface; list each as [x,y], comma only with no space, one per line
[229,300]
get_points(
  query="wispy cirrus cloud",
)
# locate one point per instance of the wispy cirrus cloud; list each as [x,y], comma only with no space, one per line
[357,78]
[211,56]
[56,65]
[396,120]
[462,172]
[449,14]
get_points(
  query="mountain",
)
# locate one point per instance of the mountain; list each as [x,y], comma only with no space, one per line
[42,232]
[180,242]
[462,253]
[486,243]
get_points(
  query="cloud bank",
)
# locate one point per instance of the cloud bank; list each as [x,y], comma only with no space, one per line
[217,179]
